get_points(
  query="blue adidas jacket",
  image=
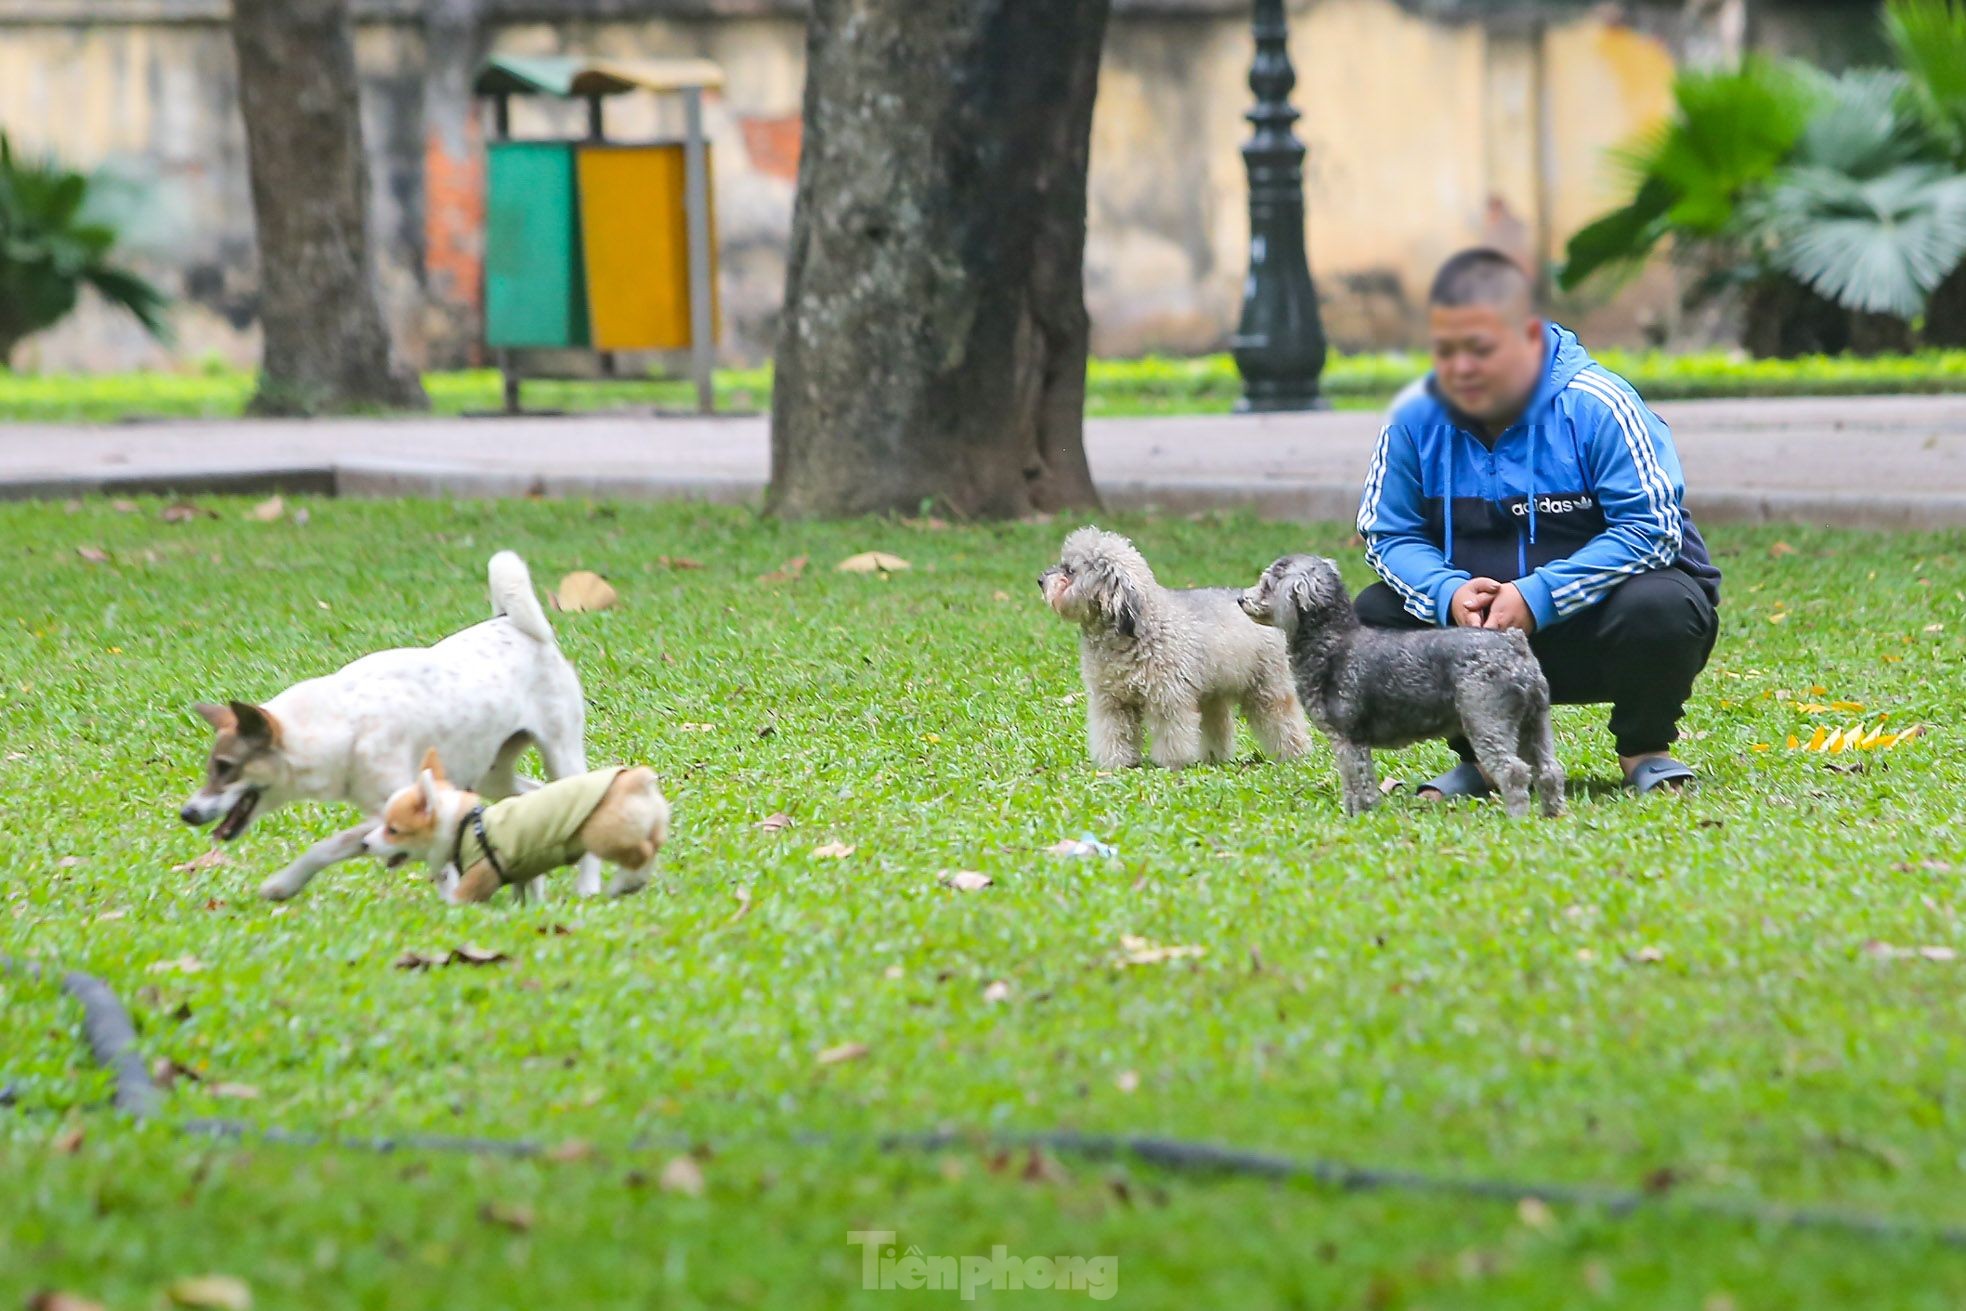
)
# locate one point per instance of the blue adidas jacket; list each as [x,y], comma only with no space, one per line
[1581,493]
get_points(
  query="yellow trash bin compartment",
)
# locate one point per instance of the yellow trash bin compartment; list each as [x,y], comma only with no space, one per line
[634,237]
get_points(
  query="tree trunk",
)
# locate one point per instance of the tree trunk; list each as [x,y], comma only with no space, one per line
[1945,313]
[326,347]
[935,333]
[1784,319]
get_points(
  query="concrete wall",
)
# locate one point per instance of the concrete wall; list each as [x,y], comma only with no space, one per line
[1428,129]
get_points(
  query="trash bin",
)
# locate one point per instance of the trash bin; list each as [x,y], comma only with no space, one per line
[597,244]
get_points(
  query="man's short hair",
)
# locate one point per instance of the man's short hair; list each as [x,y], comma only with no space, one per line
[1482,276]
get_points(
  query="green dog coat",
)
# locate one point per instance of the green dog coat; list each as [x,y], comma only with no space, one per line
[536,832]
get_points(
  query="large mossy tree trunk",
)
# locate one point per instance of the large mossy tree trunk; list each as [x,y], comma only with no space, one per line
[934,340]
[1945,314]
[326,347]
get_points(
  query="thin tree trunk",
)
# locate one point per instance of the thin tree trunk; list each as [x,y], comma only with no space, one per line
[326,346]
[935,333]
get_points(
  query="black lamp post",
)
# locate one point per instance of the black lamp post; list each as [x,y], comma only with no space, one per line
[1279,343]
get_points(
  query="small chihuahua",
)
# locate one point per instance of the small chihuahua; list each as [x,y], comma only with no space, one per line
[618,815]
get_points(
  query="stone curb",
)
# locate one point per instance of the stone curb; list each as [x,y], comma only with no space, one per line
[1290,501]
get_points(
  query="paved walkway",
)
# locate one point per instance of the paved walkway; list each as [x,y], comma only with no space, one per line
[1873,462]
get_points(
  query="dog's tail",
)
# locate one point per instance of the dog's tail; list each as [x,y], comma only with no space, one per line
[512,596]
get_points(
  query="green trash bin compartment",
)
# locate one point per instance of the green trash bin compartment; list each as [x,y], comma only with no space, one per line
[535,286]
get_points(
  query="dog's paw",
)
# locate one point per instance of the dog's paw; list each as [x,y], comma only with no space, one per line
[280,888]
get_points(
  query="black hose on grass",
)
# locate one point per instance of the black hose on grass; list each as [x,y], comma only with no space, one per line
[112,1040]
[111,1037]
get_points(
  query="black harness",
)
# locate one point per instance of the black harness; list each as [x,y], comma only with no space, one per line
[475,817]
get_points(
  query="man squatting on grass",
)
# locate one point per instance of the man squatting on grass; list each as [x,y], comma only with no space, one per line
[1523,485]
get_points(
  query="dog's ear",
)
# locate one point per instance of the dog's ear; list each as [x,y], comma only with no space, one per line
[433,765]
[1302,593]
[256,723]
[427,781]
[219,717]
[1120,599]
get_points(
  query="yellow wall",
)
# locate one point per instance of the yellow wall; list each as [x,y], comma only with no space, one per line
[1424,136]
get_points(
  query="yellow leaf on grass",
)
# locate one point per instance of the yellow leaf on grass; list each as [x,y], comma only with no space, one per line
[1812,707]
[872,562]
[846,1051]
[682,1175]
[1794,742]
[1816,740]
[212,1292]
[584,590]
[1848,707]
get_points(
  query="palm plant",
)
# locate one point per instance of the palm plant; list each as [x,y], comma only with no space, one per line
[1835,205]
[50,250]
[1929,39]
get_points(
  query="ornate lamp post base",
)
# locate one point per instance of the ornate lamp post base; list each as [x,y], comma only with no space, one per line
[1279,344]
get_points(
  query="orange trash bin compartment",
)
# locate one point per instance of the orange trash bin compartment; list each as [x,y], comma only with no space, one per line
[634,231]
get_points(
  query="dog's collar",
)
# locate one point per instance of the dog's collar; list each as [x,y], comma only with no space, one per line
[475,817]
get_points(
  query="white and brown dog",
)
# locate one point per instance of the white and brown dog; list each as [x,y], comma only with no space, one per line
[481,696]
[617,815]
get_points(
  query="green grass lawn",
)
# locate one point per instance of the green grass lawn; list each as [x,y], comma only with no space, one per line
[1668,990]
[1114,388]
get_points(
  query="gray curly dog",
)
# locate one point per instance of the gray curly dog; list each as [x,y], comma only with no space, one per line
[1372,687]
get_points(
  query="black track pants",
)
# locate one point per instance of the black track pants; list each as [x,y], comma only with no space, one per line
[1638,649]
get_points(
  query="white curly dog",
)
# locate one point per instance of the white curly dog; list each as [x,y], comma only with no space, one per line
[1169,664]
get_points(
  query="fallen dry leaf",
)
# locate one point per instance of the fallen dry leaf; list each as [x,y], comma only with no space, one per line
[775,822]
[682,1175]
[470,954]
[1535,1212]
[1649,955]
[1000,595]
[996,992]
[584,590]
[1780,549]
[833,851]
[786,572]
[678,562]
[966,880]
[93,554]
[185,512]
[574,1149]
[211,859]
[743,896]
[212,1293]
[1085,846]
[1388,786]
[165,1073]
[273,507]
[52,1299]
[1128,1081]
[1885,951]
[516,1216]
[872,562]
[123,507]
[186,964]
[69,1140]
[1140,951]
[68,862]
[846,1051]
[242,1092]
